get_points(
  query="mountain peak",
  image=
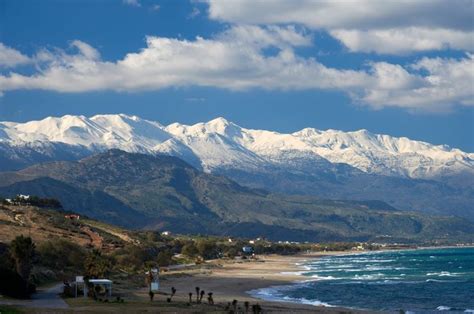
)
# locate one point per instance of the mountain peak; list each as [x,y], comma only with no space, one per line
[219,142]
[219,121]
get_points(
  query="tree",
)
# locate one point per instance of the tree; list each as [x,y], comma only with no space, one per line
[207,249]
[96,265]
[22,250]
[60,254]
[189,249]
[164,258]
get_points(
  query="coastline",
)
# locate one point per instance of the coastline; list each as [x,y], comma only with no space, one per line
[240,280]
[250,280]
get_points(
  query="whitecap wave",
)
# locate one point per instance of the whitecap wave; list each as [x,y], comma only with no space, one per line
[274,293]
[444,274]
[324,277]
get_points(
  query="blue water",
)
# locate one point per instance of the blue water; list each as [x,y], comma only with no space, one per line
[411,280]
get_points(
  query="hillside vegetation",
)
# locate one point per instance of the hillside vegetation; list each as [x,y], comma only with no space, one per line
[162,192]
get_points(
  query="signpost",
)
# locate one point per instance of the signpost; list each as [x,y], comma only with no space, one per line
[153,279]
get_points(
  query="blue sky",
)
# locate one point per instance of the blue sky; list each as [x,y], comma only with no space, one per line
[389,72]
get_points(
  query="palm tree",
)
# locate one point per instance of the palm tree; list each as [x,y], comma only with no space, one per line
[197,294]
[210,300]
[234,305]
[202,295]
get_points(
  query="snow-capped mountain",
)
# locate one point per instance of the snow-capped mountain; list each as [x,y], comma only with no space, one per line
[221,144]
[329,164]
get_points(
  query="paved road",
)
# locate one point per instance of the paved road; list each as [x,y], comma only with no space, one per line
[44,298]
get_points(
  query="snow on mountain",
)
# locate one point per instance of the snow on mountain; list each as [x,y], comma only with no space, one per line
[222,144]
[216,143]
[383,154]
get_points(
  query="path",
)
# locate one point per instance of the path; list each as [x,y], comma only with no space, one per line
[44,298]
[96,239]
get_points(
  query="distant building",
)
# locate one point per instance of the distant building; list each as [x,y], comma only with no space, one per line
[247,250]
[166,233]
[72,217]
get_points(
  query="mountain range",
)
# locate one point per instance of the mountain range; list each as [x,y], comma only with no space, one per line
[162,192]
[407,174]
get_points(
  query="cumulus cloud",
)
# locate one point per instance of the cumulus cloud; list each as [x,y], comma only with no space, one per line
[365,25]
[448,82]
[10,57]
[404,40]
[236,60]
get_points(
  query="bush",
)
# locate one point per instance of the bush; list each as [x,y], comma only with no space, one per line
[136,258]
[207,249]
[60,254]
[11,283]
[164,258]
[96,265]
[189,249]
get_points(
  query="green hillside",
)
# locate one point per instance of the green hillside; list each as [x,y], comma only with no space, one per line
[161,192]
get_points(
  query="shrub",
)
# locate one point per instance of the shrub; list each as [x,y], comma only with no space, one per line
[164,258]
[60,254]
[96,265]
[189,249]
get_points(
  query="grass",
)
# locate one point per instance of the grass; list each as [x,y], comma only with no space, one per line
[141,305]
[5,309]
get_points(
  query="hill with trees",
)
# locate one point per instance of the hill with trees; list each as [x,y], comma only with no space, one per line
[165,193]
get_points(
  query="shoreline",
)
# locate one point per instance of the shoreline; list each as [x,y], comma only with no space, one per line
[241,280]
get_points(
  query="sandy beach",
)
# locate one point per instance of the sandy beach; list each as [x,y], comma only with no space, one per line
[230,280]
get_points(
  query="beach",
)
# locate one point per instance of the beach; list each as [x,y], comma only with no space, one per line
[229,280]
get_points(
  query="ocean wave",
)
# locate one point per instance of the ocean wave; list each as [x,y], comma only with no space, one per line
[447,308]
[444,274]
[375,268]
[369,276]
[324,277]
[439,280]
[274,293]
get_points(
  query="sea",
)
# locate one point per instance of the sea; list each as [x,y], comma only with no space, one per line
[415,281]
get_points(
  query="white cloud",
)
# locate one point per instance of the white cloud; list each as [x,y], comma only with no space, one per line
[236,60]
[448,82]
[86,50]
[405,40]
[365,25]
[195,12]
[10,57]
[233,60]
[134,3]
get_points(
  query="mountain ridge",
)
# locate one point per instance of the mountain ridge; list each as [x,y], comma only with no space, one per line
[411,175]
[165,193]
[366,151]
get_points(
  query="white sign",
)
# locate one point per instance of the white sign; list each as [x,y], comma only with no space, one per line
[79,278]
[155,286]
